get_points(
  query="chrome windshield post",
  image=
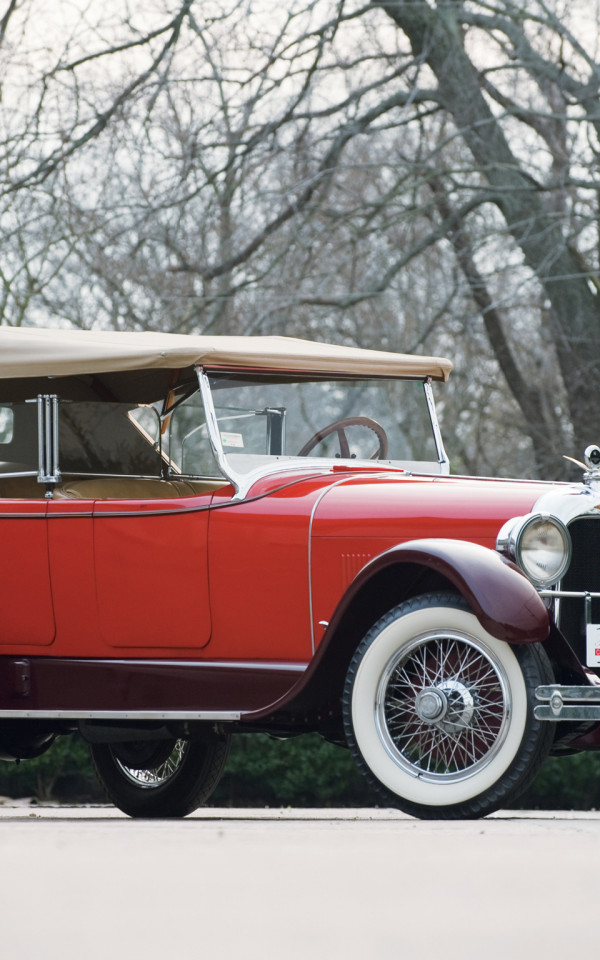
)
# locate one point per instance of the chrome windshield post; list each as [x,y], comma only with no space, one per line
[212,427]
[435,426]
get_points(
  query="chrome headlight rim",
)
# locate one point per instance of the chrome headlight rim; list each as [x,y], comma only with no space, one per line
[511,542]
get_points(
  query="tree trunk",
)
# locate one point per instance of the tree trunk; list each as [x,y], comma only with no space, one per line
[435,37]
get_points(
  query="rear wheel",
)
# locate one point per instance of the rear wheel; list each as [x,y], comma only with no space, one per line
[162,778]
[439,713]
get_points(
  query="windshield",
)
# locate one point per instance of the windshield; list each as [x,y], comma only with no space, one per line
[261,420]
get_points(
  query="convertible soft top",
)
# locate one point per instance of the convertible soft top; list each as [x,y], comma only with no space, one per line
[28,352]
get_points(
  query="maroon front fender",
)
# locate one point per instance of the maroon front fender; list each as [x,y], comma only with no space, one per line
[504,601]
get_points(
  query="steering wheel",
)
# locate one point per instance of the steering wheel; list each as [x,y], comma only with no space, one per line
[339,427]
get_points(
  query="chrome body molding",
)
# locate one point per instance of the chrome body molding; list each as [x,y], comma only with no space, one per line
[198,715]
[246,665]
[569,594]
[323,493]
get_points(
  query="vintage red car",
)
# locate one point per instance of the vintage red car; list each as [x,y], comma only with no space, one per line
[211,535]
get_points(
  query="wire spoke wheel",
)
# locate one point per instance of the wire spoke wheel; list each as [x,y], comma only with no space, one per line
[165,768]
[442,706]
[438,713]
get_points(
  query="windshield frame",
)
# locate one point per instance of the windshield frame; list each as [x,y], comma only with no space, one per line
[243,482]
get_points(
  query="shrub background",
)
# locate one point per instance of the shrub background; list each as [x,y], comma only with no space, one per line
[301,772]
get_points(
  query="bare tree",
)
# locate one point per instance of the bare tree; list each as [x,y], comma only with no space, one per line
[535,198]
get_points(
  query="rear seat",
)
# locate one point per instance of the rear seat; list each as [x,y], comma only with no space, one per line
[21,488]
[133,488]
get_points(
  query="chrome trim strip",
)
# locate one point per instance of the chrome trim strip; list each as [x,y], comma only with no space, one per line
[573,594]
[216,715]
[310,527]
[17,474]
[574,712]
[568,693]
[292,667]
[40,515]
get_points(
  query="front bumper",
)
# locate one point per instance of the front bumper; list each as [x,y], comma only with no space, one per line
[567,703]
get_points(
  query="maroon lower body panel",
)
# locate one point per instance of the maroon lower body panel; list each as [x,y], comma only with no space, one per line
[53,684]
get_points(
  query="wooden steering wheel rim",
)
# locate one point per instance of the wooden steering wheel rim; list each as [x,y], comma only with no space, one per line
[339,427]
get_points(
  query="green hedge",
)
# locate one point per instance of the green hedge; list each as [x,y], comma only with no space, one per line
[63,773]
[565,783]
[302,772]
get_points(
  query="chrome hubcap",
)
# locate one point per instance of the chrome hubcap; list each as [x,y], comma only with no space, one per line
[442,706]
[430,705]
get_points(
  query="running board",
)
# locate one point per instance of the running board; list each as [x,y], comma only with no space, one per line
[216,716]
[567,703]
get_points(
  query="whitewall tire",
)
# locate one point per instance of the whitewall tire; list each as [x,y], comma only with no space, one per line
[439,713]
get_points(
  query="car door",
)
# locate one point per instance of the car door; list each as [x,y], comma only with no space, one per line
[130,565]
[26,610]
[151,574]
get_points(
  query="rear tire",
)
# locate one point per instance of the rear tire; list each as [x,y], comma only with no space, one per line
[160,778]
[439,713]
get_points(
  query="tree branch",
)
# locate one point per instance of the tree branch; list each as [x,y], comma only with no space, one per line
[57,157]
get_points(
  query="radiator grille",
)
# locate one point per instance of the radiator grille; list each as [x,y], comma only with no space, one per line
[583,574]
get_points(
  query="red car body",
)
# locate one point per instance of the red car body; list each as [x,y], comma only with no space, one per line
[97,569]
[157,616]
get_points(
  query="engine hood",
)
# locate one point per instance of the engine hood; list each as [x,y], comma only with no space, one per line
[403,507]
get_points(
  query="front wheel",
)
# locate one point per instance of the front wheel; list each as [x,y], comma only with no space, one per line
[162,778]
[439,713]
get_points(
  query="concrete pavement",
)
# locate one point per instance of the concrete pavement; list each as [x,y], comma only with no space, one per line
[86,882]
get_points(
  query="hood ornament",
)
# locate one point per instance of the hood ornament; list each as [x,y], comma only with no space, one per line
[591,467]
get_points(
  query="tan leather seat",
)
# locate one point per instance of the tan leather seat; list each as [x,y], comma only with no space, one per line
[133,488]
[21,488]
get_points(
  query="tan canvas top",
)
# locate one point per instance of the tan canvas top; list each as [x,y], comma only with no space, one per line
[33,352]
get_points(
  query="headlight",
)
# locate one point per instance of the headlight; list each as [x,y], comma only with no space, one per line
[540,544]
